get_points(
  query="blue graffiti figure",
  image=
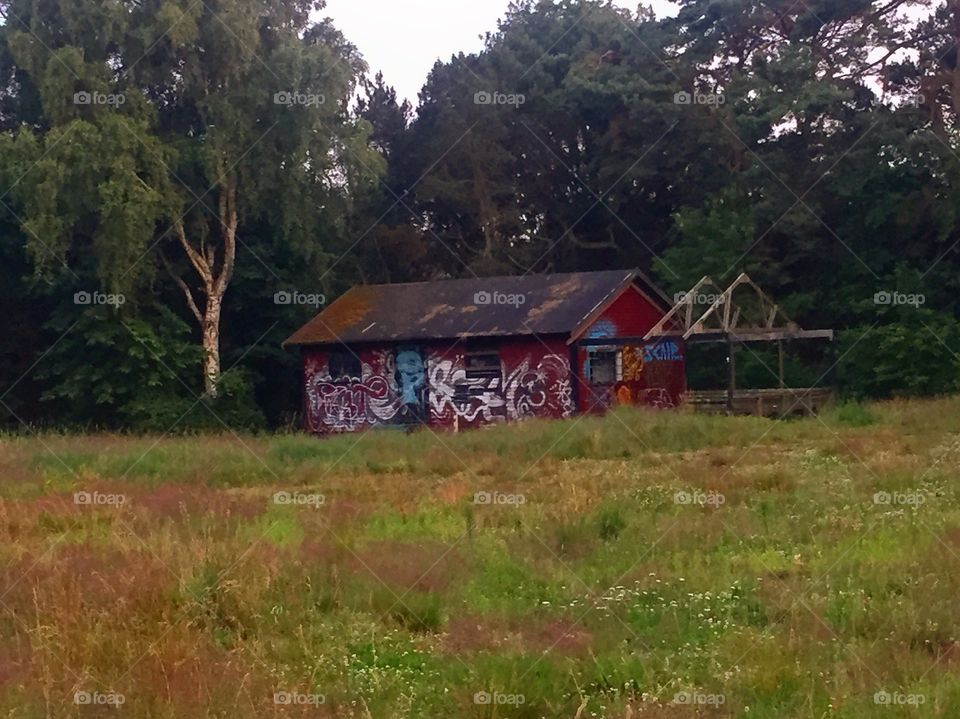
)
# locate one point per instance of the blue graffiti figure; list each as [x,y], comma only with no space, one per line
[411,376]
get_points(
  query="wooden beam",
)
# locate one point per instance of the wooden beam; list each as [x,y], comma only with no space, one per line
[708,336]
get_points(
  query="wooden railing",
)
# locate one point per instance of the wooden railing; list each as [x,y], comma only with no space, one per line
[762,402]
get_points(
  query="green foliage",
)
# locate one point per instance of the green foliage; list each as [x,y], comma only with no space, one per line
[713,240]
[796,170]
[799,174]
[114,368]
[109,363]
[233,409]
[137,164]
[901,359]
[853,414]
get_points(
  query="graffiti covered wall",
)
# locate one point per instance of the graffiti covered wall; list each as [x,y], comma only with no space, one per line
[404,385]
[649,374]
[534,381]
[336,402]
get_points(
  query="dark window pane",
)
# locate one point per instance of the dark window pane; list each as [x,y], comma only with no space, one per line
[603,367]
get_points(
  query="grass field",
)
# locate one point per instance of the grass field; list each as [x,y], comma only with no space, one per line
[641,565]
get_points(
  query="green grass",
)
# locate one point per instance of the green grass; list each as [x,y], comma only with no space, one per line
[639,565]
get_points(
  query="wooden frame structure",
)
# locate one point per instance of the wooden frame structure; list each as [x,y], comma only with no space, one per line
[728,321]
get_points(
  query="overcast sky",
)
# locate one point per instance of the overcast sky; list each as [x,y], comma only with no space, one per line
[404,38]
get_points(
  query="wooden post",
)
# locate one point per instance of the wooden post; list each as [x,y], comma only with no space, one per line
[780,346]
[783,395]
[731,374]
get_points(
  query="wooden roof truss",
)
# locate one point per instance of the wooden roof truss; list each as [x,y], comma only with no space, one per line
[752,316]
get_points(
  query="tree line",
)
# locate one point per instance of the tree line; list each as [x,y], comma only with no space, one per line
[184,183]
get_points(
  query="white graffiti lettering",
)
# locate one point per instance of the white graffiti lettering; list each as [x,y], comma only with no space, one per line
[525,392]
[452,396]
[348,404]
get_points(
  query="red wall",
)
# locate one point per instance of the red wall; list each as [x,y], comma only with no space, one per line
[653,373]
[534,381]
[349,404]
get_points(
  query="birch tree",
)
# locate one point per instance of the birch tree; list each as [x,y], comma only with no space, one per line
[169,126]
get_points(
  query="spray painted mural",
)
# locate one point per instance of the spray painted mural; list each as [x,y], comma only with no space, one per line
[648,375]
[522,391]
[407,385]
[411,385]
[651,375]
[348,402]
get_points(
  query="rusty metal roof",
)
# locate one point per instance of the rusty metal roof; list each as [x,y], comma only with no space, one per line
[476,307]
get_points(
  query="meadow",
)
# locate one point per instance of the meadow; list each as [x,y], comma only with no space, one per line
[645,564]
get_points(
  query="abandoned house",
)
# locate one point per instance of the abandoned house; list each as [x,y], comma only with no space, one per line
[465,353]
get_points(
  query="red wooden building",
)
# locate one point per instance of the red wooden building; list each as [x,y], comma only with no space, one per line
[464,353]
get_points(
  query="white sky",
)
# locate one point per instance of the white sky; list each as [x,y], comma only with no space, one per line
[404,38]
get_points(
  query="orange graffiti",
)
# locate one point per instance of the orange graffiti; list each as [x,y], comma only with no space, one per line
[632,363]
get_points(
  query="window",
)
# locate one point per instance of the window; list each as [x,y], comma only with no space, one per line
[344,365]
[483,373]
[602,365]
[482,362]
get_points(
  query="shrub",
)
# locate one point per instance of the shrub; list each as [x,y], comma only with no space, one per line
[233,408]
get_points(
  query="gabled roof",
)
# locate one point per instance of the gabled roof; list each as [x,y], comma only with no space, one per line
[451,309]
